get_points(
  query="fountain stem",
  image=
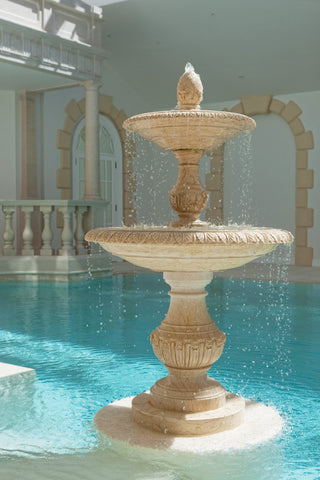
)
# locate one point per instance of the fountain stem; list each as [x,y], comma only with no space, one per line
[187,401]
[188,197]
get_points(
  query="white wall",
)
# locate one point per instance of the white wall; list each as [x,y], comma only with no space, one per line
[273,161]
[259,180]
[8,142]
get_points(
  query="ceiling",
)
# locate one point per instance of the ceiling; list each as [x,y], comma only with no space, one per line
[239,47]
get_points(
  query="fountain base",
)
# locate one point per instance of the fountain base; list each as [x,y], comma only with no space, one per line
[229,416]
[259,425]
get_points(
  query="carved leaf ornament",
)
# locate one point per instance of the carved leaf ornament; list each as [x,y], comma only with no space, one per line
[163,235]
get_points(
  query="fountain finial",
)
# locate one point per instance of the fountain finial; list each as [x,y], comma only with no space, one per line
[189,89]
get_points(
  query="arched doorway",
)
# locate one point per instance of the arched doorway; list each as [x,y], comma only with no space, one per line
[75,113]
[110,167]
[289,113]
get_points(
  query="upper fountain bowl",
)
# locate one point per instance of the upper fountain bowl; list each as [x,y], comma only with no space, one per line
[191,129]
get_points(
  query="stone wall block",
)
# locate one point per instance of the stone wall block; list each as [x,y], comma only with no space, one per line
[121,117]
[129,182]
[296,126]
[73,110]
[304,141]
[213,182]
[82,105]
[66,194]
[237,108]
[216,199]
[291,111]
[214,216]
[128,202]
[302,159]
[131,150]
[301,237]
[256,104]
[65,159]
[63,179]
[127,165]
[63,140]
[304,178]
[304,217]
[68,125]
[301,197]
[304,256]
[216,163]
[130,217]
[105,103]
[113,112]
[276,106]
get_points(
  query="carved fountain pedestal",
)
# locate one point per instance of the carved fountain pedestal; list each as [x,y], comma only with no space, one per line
[186,403]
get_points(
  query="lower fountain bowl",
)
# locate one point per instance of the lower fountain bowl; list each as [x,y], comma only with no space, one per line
[168,249]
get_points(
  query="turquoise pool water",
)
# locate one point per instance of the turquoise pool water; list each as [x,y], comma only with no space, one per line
[89,344]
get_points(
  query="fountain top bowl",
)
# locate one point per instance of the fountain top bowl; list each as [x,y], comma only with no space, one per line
[189,129]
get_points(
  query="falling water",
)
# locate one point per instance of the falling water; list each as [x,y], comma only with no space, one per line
[155,171]
[238,182]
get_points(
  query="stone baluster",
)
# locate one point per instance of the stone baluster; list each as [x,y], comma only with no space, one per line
[27,234]
[67,247]
[8,235]
[47,234]
[79,233]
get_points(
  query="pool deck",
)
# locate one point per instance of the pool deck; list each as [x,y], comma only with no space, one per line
[15,372]
[251,271]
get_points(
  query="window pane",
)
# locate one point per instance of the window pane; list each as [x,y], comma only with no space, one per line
[108,191]
[81,141]
[81,189]
[106,143]
[102,167]
[81,169]
[109,170]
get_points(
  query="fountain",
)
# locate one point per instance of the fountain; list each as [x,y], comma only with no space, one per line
[187,403]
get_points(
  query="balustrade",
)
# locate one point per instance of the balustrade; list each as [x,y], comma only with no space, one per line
[19,232]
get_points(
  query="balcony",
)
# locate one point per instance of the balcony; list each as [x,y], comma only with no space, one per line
[44,240]
[59,37]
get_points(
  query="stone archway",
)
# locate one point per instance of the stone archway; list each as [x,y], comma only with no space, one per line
[290,112]
[75,111]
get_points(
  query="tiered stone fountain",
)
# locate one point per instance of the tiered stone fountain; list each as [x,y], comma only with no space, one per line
[187,402]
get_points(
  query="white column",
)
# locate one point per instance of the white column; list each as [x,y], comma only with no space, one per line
[92,185]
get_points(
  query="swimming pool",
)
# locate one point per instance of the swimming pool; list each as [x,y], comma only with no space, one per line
[89,344]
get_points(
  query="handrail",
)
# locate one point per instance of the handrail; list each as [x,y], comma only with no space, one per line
[47,227]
